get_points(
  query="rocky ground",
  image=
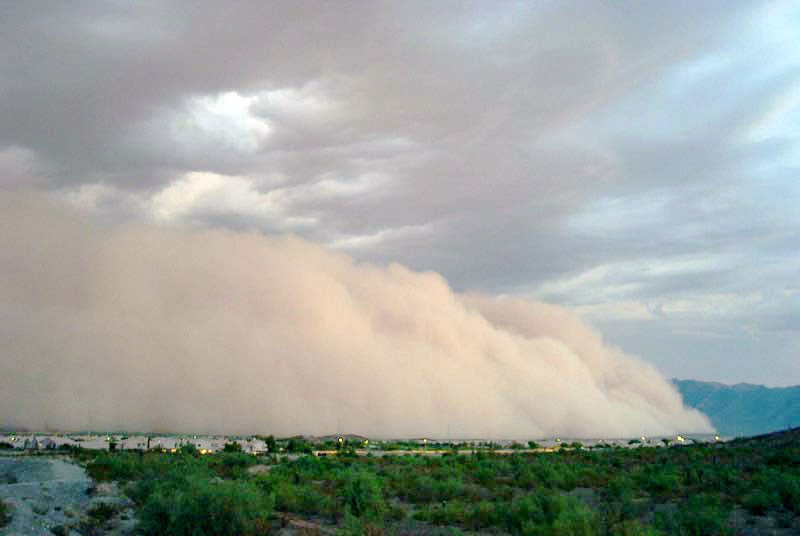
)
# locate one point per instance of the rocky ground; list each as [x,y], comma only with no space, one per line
[51,495]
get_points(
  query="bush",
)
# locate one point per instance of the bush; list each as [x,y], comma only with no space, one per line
[759,502]
[102,512]
[114,466]
[5,515]
[660,481]
[230,464]
[788,487]
[299,445]
[576,519]
[701,515]
[360,492]
[300,498]
[633,528]
[206,507]
[356,526]
[272,445]
[448,513]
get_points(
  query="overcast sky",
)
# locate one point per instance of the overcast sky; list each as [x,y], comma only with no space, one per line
[637,162]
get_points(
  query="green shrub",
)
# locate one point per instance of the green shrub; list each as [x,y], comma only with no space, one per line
[447,513]
[358,526]
[205,507]
[427,489]
[702,515]
[661,481]
[759,502]
[299,445]
[301,498]
[788,488]
[102,512]
[114,466]
[230,464]
[632,528]
[5,515]
[575,519]
[360,491]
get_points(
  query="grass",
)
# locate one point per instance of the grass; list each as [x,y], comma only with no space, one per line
[692,489]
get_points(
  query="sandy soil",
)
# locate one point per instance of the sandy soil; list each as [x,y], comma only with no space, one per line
[48,492]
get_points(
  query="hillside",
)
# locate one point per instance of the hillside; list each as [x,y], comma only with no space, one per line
[743,409]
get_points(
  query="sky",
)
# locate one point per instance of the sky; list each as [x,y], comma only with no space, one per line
[635,162]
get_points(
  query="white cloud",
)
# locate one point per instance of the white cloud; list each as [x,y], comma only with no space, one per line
[380,237]
[198,195]
[208,123]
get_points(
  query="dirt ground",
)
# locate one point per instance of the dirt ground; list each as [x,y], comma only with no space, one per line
[51,495]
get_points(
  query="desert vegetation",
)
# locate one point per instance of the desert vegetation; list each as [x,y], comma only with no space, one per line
[718,488]
[4,514]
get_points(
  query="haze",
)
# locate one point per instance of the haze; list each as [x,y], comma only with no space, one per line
[142,328]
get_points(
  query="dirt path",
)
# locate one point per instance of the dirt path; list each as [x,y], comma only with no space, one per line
[45,493]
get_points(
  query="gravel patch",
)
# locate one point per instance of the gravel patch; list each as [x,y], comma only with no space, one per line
[45,493]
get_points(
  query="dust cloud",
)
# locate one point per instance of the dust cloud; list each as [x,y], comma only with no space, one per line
[148,328]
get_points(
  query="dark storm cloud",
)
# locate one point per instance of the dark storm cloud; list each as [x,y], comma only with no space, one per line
[620,159]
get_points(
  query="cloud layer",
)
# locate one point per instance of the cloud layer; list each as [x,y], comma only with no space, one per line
[142,328]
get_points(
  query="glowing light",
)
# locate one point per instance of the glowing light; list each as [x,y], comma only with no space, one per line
[203,451]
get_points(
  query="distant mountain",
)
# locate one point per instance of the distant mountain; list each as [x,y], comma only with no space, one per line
[743,409]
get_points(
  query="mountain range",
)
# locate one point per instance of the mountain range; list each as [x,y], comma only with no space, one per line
[743,409]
